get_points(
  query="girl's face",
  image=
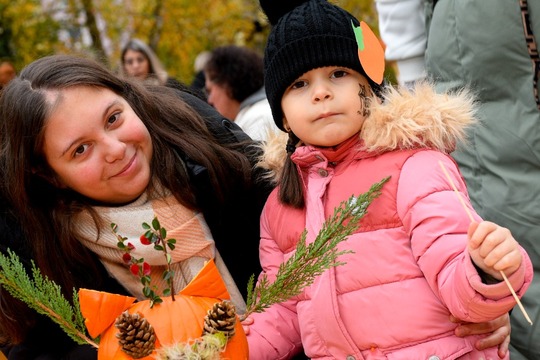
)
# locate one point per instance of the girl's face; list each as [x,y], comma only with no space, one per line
[327,105]
[136,64]
[96,145]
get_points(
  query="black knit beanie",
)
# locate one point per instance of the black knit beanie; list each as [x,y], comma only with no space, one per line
[305,35]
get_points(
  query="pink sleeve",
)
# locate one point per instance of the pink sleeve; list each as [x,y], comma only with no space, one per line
[437,224]
[275,332]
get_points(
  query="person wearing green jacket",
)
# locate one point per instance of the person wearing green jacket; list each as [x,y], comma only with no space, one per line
[489,47]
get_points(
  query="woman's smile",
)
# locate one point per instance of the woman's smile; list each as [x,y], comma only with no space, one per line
[128,169]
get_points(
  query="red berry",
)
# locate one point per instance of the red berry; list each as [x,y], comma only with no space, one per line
[126,257]
[134,269]
[145,240]
[146,269]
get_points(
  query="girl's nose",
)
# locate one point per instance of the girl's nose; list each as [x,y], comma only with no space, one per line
[320,97]
[114,150]
[321,92]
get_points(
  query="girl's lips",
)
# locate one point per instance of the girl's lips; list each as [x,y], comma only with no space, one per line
[127,167]
[325,115]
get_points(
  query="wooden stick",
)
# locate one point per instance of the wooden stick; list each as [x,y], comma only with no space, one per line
[472,220]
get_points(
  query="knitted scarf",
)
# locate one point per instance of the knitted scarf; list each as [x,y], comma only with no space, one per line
[194,243]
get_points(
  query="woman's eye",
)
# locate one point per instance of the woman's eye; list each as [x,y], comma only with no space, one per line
[80,150]
[339,73]
[298,84]
[113,118]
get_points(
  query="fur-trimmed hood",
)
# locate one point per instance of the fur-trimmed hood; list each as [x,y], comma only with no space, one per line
[406,119]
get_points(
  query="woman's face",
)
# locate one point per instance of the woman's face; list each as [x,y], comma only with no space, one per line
[136,64]
[96,145]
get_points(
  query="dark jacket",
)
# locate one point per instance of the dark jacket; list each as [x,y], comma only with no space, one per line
[234,226]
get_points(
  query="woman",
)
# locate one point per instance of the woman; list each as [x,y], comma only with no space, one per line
[141,62]
[85,148]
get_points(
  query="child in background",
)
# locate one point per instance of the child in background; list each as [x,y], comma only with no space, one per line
[417,258]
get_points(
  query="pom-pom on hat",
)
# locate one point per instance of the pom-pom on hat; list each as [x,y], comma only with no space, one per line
[305,35]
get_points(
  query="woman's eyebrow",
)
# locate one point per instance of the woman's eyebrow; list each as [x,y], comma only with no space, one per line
[105,111]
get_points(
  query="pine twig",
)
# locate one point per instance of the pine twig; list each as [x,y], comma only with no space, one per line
[43,296]
[310,261]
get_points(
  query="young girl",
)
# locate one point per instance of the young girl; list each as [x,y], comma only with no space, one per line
[83,148]
[417,258]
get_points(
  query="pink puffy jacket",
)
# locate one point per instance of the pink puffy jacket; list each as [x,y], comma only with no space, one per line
[409,271]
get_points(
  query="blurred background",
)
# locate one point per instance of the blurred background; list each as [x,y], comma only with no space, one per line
[177,30]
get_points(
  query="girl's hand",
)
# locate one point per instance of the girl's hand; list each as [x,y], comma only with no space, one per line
[246,323]
[493,249]
[499,330]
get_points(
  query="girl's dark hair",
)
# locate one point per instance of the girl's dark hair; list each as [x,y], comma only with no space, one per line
[291,190]
[46,212]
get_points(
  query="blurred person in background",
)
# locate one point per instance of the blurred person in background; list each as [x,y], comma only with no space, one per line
[141,62]
[198,82]
[234,85]
[7,72]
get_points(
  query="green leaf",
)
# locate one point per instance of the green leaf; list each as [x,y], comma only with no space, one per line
[149,235]
[168,275]
[359,36]
[155,300]
[146,226]
[155,224]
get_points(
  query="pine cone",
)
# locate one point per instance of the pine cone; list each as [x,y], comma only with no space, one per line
[137,337]
[222,317]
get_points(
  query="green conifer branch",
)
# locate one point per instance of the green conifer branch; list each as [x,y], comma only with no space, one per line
[44,296]
[311,260]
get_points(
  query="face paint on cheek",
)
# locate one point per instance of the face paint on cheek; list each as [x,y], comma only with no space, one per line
[365,100]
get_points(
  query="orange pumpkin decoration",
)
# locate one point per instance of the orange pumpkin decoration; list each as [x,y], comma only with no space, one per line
[370,52]
[178,321]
